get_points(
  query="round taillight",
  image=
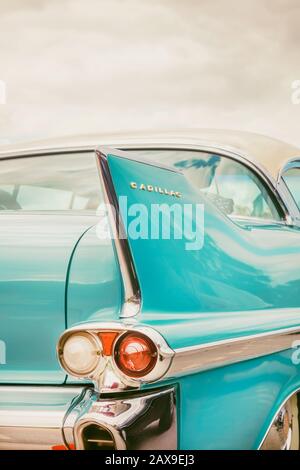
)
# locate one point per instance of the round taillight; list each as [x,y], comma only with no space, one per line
[135,354]
[80,354]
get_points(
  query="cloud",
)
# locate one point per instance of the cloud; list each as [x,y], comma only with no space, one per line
[110,65]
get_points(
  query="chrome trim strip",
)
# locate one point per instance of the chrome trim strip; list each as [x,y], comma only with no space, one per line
[132,302]
[221,353]
[32,417]
[256,220]
[79,401]
[198,358]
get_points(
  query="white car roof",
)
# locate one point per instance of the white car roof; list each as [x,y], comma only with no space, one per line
[269,153]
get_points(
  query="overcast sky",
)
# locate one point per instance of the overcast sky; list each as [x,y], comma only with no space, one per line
[85,66]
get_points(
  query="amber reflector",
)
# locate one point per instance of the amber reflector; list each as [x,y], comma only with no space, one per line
[107,340]
[135,355]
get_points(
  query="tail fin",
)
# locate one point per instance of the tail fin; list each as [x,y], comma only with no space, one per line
[157,219]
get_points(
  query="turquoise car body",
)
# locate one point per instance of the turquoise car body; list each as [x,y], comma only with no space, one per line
[244,281]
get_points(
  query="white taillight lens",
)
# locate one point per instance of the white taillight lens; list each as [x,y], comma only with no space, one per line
[80,354]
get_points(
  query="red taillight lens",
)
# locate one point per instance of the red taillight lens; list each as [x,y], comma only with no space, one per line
[135,355]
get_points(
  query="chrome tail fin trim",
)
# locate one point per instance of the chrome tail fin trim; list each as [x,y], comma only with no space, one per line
[132,301]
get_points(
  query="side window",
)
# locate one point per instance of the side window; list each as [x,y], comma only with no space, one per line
[51,182]
[292,179]
[230,185]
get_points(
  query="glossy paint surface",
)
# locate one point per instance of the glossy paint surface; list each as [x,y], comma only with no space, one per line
[94,284]
[35,249]
[232,407]
[94,288]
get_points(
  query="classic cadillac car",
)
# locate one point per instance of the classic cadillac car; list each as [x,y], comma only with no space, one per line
[138,342]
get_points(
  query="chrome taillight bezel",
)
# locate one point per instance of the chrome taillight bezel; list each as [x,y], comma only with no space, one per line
[139,336]
[107,376]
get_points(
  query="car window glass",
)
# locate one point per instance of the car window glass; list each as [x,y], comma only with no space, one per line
[292,179]
[51,182]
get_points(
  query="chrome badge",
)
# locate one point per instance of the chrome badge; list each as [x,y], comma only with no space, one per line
[155,189]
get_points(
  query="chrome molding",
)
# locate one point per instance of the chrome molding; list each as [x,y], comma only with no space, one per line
[221,353]
[106,376]
[132,302]
[256,220]
[182,361]
[32,417]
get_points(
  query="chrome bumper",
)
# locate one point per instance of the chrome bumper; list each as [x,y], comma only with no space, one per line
[61,417]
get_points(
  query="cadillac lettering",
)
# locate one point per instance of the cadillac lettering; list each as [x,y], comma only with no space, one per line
[156,189]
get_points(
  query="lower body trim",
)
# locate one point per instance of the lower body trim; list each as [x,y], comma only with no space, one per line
[133,421]
[72,417]
[32,417]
